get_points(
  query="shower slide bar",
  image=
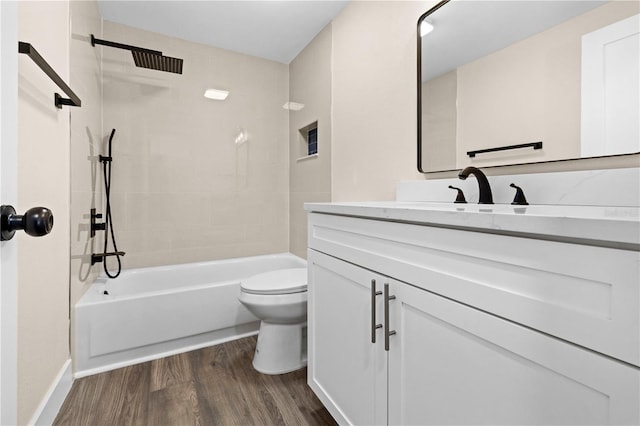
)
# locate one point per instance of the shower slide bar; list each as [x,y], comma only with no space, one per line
[59,101]
[534,145]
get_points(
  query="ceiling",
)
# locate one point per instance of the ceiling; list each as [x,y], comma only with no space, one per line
[275,30]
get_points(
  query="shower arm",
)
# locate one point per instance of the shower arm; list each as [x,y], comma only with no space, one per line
[95,41]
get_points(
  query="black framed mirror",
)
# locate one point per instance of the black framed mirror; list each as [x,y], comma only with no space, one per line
[519,82]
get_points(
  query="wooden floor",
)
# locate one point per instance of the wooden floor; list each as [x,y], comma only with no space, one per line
[211,386]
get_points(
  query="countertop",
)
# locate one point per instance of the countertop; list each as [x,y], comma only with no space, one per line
[615,227]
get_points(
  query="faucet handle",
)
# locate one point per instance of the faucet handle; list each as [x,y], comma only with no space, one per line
[460,197]
[519,199]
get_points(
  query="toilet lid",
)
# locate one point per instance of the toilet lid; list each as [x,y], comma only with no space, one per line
[281,281]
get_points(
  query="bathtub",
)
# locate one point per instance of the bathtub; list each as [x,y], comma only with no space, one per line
[150,313]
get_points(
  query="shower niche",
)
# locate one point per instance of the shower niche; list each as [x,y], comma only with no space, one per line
[308,141]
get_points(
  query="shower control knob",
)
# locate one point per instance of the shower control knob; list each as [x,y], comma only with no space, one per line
[37,221]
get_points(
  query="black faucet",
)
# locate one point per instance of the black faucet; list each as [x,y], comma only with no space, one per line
[519,199]
[460,197]
[485,190]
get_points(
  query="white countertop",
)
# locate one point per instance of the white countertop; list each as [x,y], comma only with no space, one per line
[617,227]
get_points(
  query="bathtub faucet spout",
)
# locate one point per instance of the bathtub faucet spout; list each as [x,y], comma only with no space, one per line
[98,257]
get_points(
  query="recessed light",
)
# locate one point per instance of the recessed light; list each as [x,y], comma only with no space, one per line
[218,95]
[293,106]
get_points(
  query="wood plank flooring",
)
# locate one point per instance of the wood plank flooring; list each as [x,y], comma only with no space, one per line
[210,386]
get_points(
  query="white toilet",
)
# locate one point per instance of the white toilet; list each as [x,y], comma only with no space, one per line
[279,299]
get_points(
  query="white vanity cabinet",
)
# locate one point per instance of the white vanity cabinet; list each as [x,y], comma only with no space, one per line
[347,371]
[455,356]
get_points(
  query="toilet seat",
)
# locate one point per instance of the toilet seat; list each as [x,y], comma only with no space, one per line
[281,281]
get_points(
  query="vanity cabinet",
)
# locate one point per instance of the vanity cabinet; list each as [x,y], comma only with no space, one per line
[347,370]
[454,357]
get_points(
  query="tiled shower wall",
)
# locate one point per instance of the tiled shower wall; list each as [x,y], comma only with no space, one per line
[310,180]
[182,189]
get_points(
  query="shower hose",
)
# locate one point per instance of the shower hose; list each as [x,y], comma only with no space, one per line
[106,167]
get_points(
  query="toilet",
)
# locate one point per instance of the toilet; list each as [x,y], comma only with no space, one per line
[279,299]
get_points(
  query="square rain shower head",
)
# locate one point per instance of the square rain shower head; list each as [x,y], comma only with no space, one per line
[157,62]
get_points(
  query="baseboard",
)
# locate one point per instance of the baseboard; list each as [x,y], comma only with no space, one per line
[54,398]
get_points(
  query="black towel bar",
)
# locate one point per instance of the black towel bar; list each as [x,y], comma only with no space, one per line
[73,100]
[534,145]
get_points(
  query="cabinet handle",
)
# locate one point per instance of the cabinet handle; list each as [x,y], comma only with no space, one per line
[374,326]
[387,332]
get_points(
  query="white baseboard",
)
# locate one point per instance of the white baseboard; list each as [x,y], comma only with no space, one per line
[48,409]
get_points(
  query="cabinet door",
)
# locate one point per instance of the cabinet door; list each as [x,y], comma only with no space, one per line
[346,370]
[452,364]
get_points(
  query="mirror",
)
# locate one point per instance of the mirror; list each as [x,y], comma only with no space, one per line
[516,82]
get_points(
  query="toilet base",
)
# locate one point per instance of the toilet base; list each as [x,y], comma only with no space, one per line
[281,348]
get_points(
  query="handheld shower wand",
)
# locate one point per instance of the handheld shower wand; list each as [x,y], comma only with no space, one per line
[108,222]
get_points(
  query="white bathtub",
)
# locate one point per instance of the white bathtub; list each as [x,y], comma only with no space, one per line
[149,313]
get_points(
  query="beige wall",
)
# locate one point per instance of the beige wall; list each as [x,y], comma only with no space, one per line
[43,180]
[374,98]
[86,144]
[546,108]
[182,189]
[310,178]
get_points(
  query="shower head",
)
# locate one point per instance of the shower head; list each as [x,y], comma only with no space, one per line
[145,58]
[153,61]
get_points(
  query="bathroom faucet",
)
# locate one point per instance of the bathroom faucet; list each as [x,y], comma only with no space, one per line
[485,190]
